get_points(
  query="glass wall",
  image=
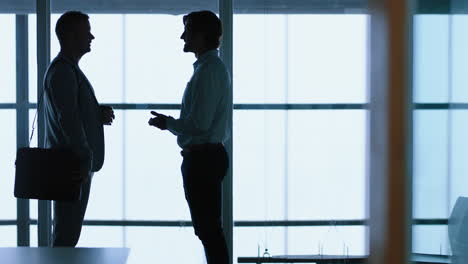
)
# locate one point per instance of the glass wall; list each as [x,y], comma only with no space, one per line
[300,130]
[8,131]
[440,144]
[300,91]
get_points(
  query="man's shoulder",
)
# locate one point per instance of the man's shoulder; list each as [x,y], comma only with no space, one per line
[214,65]
[59,67]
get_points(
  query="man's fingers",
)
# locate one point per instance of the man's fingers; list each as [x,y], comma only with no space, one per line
[156,114]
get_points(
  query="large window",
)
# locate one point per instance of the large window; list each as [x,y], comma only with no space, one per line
[8,132]
[300,129]
[440,144]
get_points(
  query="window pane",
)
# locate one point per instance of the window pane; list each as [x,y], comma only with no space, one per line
[104,65]
[259,165]
[33,202]
[253,241]
[459,154]
[102,236]
[7,164]
[153,184]
[106,200]
[8,61]
[32,53]
[431,40]
[431,240]
[334,240]
[459,58]
[260,61]
[326,164]
[8,237]
[430,165]
[156,68]
[327,64]
[293,58]
[163,245]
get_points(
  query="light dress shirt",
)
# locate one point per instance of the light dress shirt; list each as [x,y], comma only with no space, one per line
[206,111]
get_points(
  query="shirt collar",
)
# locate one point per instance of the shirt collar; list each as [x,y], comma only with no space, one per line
[205,56]
[68,60]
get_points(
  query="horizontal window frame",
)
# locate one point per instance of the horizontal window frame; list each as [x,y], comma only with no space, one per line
[278,223]
[265,106]
[242,7]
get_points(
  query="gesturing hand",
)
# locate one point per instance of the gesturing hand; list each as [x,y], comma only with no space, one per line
[158,121]
[107,115]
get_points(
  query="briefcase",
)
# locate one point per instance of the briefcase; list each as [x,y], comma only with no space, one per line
[47,174]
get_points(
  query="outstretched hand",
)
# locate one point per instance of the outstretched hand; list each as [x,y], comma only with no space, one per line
[158,121]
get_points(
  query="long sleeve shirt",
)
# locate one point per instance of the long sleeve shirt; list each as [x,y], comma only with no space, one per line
[206,110]
[72,113]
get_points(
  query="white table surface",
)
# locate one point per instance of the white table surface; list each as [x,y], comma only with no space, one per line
[46,255]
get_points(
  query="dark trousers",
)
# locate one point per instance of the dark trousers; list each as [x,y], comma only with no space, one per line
[68,218]
[203,171]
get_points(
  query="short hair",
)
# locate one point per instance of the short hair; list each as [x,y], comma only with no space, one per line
[67,23]
[208,23]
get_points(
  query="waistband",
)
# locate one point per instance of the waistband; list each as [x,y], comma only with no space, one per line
[201,148]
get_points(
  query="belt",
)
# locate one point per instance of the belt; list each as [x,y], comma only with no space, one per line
[200,147]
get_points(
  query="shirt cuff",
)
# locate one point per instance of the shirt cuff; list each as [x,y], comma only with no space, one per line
[170,122]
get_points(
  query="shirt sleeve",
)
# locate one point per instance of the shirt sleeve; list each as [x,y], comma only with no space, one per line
[204,101]
[63,90]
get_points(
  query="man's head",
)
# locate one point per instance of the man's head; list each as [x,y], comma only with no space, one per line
[202,31]
[74,32]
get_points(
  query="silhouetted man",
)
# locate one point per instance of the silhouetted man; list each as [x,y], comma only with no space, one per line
[73,119]
[201,130]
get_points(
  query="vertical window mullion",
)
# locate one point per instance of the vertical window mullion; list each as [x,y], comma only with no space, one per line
[22,118]
[43,60]
[226,52]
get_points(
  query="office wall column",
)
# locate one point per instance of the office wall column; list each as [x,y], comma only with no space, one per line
[390,131]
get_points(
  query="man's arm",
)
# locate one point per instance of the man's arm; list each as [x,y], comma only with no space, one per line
[63,90]
[204,102]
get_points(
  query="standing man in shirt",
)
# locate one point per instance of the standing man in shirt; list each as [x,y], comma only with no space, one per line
[202,129]
[73,119]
